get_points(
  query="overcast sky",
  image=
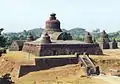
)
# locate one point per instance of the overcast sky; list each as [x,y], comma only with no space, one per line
[17,15]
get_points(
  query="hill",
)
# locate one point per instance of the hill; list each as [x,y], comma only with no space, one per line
[73,32]
[77,34]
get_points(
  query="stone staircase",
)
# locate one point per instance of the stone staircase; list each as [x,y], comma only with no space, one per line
[89,67]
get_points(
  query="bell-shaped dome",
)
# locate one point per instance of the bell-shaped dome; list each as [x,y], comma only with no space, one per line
[88,38]
[45,38]
[52,25]
[30,37]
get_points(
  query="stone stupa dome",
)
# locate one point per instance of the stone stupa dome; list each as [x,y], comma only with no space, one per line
[45,38]
[52,25]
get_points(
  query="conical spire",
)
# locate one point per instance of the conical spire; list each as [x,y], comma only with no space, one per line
[45,38]
[30,37]
[88,38]
[104,37]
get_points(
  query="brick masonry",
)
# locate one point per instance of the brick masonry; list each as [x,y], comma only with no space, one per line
[46,63]
[61,49]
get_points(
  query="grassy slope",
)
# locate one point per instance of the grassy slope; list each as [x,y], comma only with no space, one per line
[69,74]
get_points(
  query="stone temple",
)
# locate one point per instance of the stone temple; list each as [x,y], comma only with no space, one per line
[52,28]
[55,42]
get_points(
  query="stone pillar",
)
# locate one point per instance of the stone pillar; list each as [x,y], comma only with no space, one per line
[104,43]
[113,44]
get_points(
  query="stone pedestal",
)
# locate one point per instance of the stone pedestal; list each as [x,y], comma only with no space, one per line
[105,45]
[113,45]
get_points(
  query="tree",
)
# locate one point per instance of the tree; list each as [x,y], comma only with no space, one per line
[96,33]
[2,39]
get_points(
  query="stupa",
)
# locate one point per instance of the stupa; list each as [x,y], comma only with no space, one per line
[105,42]
[30,37]
[52,27]
[55,42]
[88,38]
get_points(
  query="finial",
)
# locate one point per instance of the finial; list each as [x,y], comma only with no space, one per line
[53,14]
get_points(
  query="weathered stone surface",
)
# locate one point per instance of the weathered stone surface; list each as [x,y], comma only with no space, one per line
[52,25]
[61,49]
[104,41]
[104,45]
[61,36]
[88,38]
[45,38]
[104,37]
[30,37]
[53,42]
[46,63]
[16,45]
[113,44]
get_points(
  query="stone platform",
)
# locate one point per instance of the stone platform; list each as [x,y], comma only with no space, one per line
[60,47]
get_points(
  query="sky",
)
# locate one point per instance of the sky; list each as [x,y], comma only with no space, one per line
[19,15]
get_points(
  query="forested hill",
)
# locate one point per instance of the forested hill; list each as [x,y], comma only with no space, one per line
[77,34]
[38,31]
[73,32]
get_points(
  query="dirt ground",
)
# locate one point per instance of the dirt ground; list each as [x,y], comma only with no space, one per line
[68,74]
[109,79]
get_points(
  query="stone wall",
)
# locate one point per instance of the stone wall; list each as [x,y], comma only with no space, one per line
[66,49]
[109,45]
[104,45]
[113,45]
[30,48]
[46,63]
[62,49]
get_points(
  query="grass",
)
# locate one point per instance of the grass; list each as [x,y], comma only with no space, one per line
[69,80]
[63,75]
[19,55]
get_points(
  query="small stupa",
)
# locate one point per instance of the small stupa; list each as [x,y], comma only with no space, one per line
[45,38]
[104,40]
[88,38]
[104,37]
[30,37]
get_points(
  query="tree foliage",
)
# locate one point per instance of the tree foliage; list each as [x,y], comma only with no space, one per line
[2,39]
[76,33]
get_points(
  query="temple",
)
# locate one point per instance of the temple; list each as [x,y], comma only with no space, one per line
[55,42]
[52,27]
